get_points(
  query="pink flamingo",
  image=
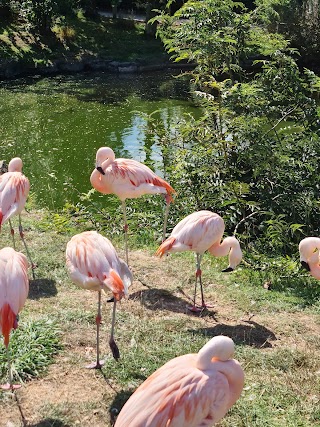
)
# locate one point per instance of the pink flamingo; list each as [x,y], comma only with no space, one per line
[93,264]
[14,190]
[198,232]
[14,288]
[127,178]
[309,255]
[191,391]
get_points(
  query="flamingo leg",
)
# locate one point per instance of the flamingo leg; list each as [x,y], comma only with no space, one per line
[33,266]
[9,385]
[98,363]
[203,304]
[194,308]
[123,202]
[165,221]
[113,346]
[12,234]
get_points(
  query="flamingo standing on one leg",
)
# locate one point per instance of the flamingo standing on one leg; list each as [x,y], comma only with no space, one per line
[93,264]
[14,190]
[127,178]
[14,288]
[198,232]
[191,391]
[309,255]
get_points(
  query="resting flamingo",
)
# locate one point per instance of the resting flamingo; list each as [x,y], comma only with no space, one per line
[93,264]
[14,190]
[14,288]
[198,232]
[127,178]
[191,391]
[309,255]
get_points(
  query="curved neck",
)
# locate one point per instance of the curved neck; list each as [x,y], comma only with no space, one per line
[105,156]
[223,248]
[315,270]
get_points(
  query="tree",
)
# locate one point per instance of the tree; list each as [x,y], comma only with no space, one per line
[253,154]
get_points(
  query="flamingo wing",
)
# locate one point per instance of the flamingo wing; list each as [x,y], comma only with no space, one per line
[14,190]
[196,232]
[132,179]
[93,264]
[178,394]
[14,288]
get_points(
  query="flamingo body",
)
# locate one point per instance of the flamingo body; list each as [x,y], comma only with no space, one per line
[93,264]
[126,178]
[14,288]
[198,232]
[14,190]
[309,255]
[194,390]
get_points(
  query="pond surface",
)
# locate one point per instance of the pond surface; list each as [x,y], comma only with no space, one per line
[57,124]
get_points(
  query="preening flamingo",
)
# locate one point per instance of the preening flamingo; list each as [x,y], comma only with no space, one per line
[198,232]
[14,190]
[127,179]
[309,255]
[93,264]
[14,288]
[189,391]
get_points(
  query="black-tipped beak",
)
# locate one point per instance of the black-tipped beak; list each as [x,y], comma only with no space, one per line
[227,270]
[305,265]
[99,168]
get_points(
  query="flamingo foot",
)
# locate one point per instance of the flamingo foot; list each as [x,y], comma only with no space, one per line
[95,365]
[114,348]
[206,306]
[8,386]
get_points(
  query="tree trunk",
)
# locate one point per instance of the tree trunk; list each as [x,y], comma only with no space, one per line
[150,29]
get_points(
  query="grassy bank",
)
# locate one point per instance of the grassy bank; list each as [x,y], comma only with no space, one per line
[270,308]
[78,37]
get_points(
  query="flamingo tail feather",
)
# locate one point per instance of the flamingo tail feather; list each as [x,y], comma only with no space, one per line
[7,319]
[116,285]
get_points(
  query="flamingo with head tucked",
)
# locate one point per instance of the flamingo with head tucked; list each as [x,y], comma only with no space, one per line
[194,390]
[127,179]
[309,255]
[93,264]
[14,288]
[14,190]
[199,232]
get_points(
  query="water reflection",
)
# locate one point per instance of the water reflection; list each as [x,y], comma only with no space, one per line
[57,124]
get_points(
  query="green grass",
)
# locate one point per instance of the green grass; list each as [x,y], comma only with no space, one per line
[32,348]
[276,330]
[77,37]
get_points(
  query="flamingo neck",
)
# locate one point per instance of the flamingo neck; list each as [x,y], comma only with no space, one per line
[223,248]
[315,270]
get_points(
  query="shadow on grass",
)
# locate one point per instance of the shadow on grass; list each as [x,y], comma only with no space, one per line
[42,288]
[162,299]
[118,403]
[49,422]
[251,333]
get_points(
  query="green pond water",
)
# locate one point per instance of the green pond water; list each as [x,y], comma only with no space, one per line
[57,124]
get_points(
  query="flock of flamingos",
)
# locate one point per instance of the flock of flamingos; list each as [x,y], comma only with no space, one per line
[194,390]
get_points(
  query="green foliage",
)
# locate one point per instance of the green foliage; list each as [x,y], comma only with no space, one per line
[33,346]
[253,155]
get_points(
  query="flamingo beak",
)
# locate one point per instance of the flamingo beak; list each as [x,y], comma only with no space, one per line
[227,270]
[305,265]
[99,169]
